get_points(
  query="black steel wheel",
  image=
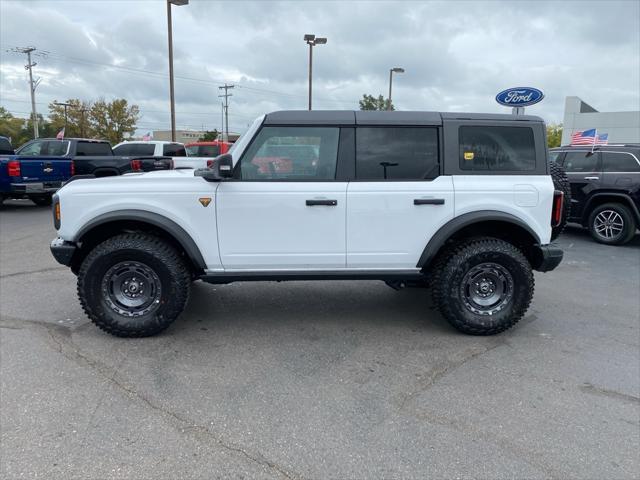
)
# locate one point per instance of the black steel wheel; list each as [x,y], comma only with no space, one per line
[133,285]
[482,286]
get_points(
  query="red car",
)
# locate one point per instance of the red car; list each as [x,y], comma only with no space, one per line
[207,149]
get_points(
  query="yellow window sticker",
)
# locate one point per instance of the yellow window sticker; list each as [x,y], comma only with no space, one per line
[468,155]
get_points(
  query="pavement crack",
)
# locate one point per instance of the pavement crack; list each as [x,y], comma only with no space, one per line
[593,390]
[68,349]
[438,373]
[42,270]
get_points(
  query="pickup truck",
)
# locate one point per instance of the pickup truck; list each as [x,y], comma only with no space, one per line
[159,148]
[33,178]
[91,157]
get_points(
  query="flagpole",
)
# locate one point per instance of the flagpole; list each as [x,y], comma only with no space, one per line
[595,137]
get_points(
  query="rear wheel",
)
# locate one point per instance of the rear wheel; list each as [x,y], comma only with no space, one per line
[133,285]
[612,224]
[483,286]
[41,200]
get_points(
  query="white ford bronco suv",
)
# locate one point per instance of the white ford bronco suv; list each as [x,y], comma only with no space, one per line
[466,204]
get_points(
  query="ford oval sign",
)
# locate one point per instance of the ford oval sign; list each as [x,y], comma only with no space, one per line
[519,97]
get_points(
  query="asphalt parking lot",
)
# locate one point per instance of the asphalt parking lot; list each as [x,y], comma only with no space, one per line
[319,380]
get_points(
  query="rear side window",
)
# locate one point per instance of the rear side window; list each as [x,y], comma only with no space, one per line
[619,162]
[494,148]
[5,147]
[56,148]
[581,162]
[93,149]
[173,150]
[396,153]
[203,151]
[292,153]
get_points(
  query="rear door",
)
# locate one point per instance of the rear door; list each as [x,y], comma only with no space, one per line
[620,170]
[584,170]
[398,199]
[285,210]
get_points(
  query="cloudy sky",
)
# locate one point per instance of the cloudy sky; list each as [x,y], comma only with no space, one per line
[457,55]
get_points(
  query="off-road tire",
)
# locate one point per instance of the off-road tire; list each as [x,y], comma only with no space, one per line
[561,182]
[628,229]
[169,271]
[459,260]
[41,200]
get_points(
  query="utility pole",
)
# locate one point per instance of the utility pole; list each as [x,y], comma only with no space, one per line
[226,96]
[65,105]
[32,85]
[82,112]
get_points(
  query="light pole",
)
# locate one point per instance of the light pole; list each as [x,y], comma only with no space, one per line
[312,41]
[65,105]
[391,72]
[170,34]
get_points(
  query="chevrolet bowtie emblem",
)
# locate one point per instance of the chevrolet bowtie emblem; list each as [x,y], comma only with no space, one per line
[205,201]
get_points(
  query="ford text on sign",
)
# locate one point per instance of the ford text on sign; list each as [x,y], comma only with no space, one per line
[519,97]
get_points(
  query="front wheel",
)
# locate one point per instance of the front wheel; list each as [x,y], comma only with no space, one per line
[133,285]
[483,286]
[612,224]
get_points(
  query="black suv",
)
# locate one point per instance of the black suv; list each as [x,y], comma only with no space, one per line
[605,189]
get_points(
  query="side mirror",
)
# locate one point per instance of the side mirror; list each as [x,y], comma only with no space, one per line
[221,167]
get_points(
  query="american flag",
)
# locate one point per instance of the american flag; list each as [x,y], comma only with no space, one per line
[586,137]
[602,139]
[146,137]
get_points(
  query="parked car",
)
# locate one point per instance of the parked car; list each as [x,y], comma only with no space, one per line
[91,157]
[150,148]
[207,149]
[605,189]
[33,178]
[466,202]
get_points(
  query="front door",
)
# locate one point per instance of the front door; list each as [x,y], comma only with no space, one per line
[284,210]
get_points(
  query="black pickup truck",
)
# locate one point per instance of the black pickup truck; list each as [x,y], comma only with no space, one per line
[90,157]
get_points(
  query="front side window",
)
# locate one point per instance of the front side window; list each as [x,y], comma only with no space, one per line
[581,162]
[494,148]
[396,153]
[292,153]
[33,148]
[619,162]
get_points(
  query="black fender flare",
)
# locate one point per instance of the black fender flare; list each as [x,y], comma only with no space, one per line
[155,219]
[626,199]
[458,223]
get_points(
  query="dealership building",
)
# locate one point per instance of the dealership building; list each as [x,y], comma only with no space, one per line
[622,127]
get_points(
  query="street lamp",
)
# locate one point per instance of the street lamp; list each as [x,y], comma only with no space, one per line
[391,72]
[312,41]
[171,96]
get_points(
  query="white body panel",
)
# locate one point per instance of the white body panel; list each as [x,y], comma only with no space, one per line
[384,227]
[267,225]
[527,197]
[173,194]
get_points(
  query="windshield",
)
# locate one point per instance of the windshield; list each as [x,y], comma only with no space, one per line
[245,138]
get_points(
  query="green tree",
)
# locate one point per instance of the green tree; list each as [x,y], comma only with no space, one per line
[554,134]
[114,121]
[369,102]
[20,130]
[78,118]
[209,136]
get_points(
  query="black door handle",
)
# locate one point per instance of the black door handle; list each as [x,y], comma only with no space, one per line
[428,201]
[328,203]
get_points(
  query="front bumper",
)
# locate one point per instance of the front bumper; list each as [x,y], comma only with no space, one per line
[35,188]
[548,258]
[63,251]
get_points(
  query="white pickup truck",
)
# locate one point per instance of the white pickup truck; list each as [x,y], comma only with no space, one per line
[466,203]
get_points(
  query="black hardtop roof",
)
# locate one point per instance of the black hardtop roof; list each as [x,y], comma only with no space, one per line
[75,139]
[376,117]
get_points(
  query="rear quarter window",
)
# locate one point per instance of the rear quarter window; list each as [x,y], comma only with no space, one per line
[497,148]
[174,150]
[619,162]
